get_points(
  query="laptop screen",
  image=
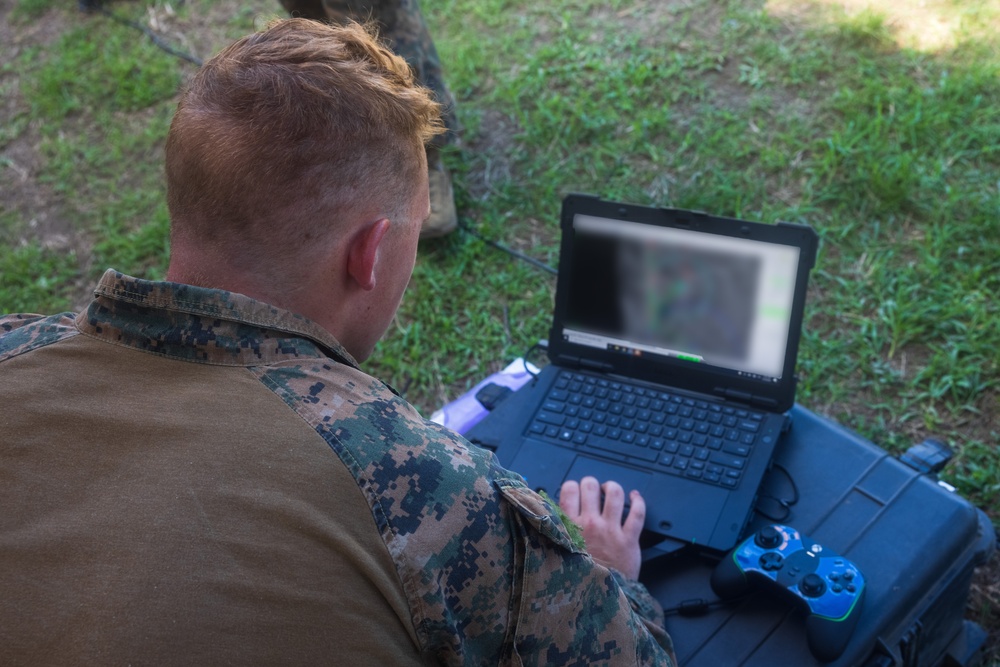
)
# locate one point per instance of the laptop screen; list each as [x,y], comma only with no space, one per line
[662,292]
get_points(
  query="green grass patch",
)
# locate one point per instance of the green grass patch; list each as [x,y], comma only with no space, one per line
[36,280]
[99,66]
[25,10]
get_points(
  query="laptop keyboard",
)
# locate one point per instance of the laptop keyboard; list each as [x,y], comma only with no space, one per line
[627,422]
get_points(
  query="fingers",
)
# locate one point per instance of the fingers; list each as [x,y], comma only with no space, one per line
[610,542]
[636,516]
[614,501]
[569,499]
[590,497]
[584,498]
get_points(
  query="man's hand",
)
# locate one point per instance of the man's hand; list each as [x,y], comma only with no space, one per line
[611,543]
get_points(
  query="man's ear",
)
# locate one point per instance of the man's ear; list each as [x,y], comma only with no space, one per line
[363,252]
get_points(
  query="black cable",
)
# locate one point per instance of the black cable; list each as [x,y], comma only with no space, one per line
[698,606]
[98,7]
[784,503]
[510,251]
[540,345]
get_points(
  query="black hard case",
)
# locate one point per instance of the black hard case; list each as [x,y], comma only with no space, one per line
[916,542]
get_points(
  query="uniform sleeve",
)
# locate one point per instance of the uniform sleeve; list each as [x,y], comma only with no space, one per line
[21,333]
[489,572]
[565,606]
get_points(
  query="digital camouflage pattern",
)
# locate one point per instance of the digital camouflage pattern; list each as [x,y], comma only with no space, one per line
[489,571]
[23,333]
[404,30]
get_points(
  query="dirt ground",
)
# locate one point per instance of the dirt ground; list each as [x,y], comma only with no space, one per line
[22,192]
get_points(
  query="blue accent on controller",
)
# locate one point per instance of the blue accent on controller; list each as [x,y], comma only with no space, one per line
[827,585]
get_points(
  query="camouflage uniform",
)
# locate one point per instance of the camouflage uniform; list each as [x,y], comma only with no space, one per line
[194,476]
[403,28]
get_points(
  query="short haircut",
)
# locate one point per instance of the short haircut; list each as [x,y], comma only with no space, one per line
[290,127]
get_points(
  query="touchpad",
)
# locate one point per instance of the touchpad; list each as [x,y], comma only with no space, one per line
[629,478]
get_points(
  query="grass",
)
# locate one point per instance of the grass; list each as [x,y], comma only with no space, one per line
[891,152]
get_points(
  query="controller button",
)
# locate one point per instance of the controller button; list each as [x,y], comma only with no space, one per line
[836,588]
[812,585]
[835,577]
[849,575]
[851,588]
[768,537]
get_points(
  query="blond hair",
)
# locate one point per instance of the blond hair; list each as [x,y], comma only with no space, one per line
[290,128]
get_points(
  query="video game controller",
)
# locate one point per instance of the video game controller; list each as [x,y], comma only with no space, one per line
[828,586]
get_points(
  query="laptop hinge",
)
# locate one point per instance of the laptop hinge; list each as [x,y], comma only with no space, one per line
[591,365]
[584,364]
[744,397]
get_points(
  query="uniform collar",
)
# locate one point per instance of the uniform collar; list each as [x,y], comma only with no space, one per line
[201,324]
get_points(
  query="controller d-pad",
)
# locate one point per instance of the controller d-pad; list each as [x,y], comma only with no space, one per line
[771,561]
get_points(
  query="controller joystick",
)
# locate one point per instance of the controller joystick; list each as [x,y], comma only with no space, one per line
[812,585]
[767,537]
[827,586]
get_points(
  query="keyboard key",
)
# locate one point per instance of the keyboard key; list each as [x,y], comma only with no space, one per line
[727,460]
[550,418]
[735,448]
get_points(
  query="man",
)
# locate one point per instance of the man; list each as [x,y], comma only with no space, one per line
[402,26]
[197,471]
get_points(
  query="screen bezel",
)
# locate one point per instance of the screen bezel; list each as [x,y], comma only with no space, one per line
[690,376]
